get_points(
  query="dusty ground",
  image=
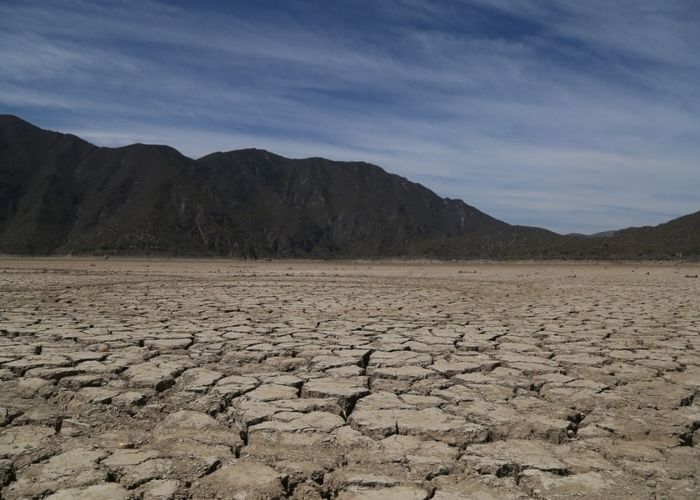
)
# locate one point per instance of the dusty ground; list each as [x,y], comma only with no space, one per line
[211,379]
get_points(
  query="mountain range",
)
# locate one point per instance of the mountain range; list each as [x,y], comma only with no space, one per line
[60,194]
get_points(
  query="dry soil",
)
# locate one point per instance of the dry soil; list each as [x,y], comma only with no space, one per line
[160,379]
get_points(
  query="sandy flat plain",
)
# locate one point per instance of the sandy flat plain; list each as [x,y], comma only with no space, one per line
[160,379]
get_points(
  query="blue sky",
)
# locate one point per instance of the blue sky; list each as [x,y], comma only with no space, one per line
[575,116]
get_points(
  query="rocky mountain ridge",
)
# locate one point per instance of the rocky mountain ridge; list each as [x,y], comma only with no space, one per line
[62,195]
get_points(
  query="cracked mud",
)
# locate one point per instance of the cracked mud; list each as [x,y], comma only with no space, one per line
[221,379]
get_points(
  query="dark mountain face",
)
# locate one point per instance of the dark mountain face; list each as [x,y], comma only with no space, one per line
[316,206]
[60,194]
[679,238]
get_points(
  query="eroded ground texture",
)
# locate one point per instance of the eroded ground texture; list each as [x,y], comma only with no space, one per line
[223,379]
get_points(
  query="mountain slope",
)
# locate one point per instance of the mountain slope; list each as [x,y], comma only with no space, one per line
[62,194]
[317,205]
[678,238]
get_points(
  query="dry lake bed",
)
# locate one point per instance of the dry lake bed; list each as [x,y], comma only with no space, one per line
[160,379]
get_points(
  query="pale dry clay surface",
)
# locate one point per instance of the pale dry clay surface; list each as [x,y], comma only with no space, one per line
[225,379]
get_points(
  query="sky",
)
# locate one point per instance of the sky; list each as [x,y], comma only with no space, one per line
[574,116]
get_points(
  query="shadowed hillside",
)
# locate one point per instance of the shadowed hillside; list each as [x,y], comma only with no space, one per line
[60,194]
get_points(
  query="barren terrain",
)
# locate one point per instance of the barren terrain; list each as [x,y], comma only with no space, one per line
[225,379]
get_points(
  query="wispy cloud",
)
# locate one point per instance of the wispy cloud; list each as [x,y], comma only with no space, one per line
[576,116]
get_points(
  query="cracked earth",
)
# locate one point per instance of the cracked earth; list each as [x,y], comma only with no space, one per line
[176,379]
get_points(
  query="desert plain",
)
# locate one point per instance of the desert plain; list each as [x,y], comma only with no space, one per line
[169,379]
